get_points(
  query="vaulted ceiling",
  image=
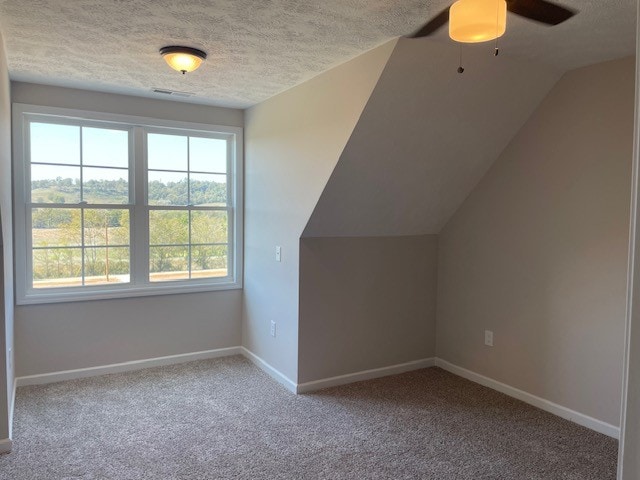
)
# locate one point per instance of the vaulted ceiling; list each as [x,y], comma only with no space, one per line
[258,49]
[425,138]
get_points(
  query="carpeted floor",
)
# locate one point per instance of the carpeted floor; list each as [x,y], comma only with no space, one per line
[225,419]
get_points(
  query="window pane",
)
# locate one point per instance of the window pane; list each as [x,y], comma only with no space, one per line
[105,148]
[60,267]
[168,227]
[168,263]
[207,155]
[55,143]
[55,227]
[55,184]
[208,190]
[209,227]
[167,152]
[106,265]
[167,188]
[209,261]
[105,185]
[106,227]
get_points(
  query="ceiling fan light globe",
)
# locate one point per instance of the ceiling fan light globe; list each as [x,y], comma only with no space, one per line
[475,21]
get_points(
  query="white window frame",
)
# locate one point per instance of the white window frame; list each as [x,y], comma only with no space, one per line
[140,285]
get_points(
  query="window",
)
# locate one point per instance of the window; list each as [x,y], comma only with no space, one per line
[113,206]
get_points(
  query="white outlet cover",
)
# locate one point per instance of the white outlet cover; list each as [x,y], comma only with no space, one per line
[488,338]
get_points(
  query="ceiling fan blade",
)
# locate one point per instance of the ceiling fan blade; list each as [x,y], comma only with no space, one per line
[540,11]
[432,25]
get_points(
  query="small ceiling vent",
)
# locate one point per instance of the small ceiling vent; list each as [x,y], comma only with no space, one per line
[173,93]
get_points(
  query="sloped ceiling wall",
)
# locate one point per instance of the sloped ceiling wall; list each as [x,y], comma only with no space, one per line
[425,138]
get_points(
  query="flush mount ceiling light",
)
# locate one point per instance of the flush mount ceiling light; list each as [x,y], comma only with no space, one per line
[183,59]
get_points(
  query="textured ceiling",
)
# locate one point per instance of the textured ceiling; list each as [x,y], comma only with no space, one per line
[259,48]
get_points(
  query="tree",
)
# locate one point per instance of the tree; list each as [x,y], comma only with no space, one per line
[207,227]
[103,228]
[168,228]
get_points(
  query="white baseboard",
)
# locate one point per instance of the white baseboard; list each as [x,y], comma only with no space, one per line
[5,445]
[559,410]
[541,403]
[12,408]
[272,372]
[294,387]
[365,375]
[125,366]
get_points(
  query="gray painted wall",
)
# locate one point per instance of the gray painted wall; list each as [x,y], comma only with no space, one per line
[6,251]
[425,138]
[292,143]
[84,334]
[51,96]
[365,303]
[538,251]
[56,337]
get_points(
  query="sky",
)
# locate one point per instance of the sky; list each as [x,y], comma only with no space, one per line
[101,147]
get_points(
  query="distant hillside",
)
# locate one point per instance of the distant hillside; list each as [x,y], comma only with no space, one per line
[67,190]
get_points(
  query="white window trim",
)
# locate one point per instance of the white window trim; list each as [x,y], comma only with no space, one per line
[27,296]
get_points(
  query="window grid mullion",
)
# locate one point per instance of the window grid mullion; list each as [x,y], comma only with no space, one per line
[168,170]
[78,247]
[82,242]
[182,245]
[81,168]
[188,207]
[189,202]
[231,197]
[229,169]
[140,227]
[82,251]
[91,206]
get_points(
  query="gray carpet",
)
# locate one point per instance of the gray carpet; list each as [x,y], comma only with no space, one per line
[225,419]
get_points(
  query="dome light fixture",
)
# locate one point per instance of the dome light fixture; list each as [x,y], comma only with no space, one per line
[183,59]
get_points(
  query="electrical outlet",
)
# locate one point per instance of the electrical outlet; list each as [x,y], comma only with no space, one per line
[273,328]
[278,253]
[488,338]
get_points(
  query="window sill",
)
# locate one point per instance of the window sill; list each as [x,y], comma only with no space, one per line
[60,296]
